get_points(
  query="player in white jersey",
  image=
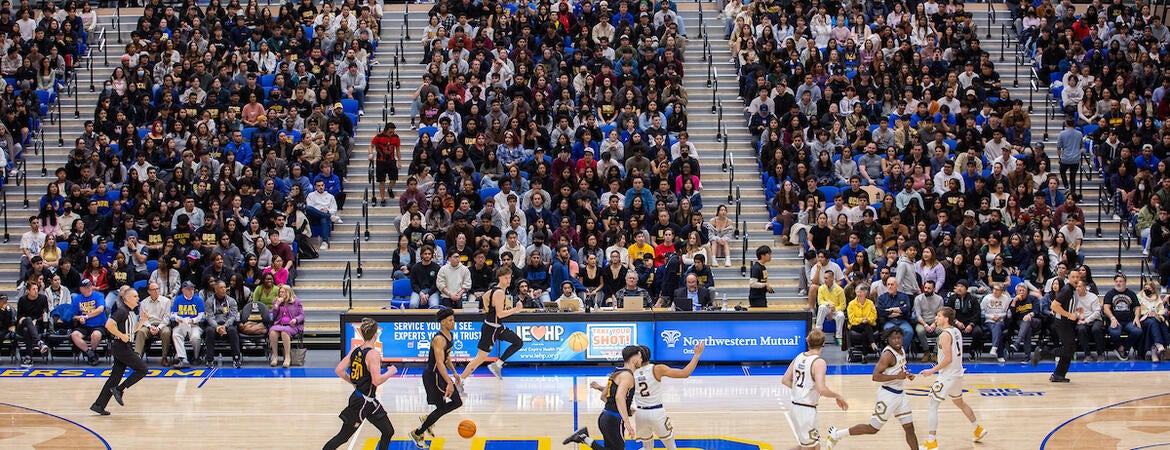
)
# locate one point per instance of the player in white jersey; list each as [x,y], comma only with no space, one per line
[806,377]
[950,377]
[650,419]
[892,401]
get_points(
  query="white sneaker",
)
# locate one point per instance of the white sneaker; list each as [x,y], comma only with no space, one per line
[831,442]
[995,351]
[496,368]
[336,219]
[324,246]
[361,112]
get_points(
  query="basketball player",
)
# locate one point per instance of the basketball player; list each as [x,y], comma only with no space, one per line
[891,372]
[438,382]
[616,416]
[806,377]
[950,377]
[650,419]
[493,329]
[119,326]
[363,370]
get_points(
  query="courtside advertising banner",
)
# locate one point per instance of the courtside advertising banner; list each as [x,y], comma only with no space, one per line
[730,340]
[553,341]
[543,341]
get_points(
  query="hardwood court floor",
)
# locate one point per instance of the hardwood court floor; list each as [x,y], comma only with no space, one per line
[1021,410]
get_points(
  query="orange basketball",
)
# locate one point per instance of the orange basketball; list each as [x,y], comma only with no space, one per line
[467,429]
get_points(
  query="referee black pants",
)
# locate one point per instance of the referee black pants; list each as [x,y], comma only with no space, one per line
[611,432]
[124,357]
[1066,329]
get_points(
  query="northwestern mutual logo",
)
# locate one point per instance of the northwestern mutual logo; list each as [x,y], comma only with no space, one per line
[712,341]
[670,337]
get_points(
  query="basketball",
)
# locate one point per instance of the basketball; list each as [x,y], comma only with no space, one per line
[578,342]
[467,429]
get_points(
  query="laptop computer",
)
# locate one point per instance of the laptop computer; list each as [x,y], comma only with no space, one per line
[632,303]
[569,305]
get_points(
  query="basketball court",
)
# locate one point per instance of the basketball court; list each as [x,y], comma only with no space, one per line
[1123,405]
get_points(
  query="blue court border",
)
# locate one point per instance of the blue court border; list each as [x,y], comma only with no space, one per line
[83,427]
[1044,443]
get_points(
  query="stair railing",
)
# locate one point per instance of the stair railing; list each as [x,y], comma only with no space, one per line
[1100,204]
[743,252]
[357,247]
[347,284]
[118,22]
[21,168]
[366,210]
[731,177]
[714,90]
[4,209]
[719,121]
[738,210]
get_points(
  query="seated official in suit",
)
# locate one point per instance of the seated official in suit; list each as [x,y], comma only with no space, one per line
[691,297]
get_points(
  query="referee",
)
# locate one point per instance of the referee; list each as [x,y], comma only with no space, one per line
[1066,322]
[119,325]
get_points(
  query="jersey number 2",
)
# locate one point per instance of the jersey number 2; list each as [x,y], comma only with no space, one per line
[643,389]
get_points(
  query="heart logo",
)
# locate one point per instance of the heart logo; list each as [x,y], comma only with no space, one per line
[538,332]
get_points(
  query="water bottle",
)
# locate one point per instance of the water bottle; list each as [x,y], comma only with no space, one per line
[724,301]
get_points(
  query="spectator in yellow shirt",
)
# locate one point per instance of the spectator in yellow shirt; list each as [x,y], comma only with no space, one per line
[640,247]
[863,317]
[831,303]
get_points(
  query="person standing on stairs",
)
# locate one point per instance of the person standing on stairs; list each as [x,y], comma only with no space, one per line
[384,150]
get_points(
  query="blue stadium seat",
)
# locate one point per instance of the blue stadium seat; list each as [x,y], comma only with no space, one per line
[442,246]
[829,192]
[400,294]
[428,130]
[247,133]
[1013,281]
[267,80]
[350,106]
[353,118]
[142,133]
[151,266]
[488,192]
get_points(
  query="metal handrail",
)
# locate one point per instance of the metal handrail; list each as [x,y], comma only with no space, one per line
[4,209]
[406,20]
[738,210]
[21,168]
[357,247]
[1100,205]
[743,252]
[991,9]
[401,59]
[347,284]
[714,90]
[731,177]
[719,121]
[118,21]
[366,210]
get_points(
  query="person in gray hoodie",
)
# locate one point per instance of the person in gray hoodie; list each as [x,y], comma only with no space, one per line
[995,308]
[906,273]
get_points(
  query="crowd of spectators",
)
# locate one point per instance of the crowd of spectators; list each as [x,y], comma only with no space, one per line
[902,168]
[552,139]
[218,146]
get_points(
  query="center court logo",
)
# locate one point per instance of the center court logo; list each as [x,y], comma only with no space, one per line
[670,337]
